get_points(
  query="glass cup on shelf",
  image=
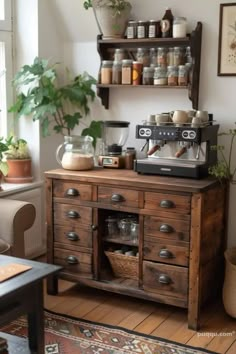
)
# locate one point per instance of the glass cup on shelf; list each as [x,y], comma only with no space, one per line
[112,227]
[134,231]
[124,226]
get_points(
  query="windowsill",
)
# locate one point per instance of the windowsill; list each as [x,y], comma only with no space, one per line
[12,188]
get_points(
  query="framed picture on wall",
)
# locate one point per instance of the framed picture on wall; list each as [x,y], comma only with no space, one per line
[227,40]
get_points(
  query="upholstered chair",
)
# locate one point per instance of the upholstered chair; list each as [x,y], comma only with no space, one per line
[15,218]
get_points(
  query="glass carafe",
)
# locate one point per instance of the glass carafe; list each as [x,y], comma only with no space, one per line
[78,153]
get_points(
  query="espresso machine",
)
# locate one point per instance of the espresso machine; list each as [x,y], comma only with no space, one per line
[173,150]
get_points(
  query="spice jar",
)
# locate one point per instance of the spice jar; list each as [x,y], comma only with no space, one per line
[153,56]
[162,56]
[130,155]
[137,73]
[182,75]
[119,54]
[132,29]
[148,73]
[106,72]
[143,56]
[188,56]
[126,72]
[142,29]
[160,77]
[179,27]
[116,72]
[170,57]
[153,30]
[172,75]
[178,56]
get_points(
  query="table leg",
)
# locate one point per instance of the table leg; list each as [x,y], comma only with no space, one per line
[36,320]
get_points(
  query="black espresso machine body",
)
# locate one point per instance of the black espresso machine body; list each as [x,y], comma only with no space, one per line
[195,144]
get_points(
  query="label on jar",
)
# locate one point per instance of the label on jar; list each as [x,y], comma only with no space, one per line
[165,26]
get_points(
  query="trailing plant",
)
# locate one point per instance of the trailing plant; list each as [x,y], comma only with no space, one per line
[224,169]
[117,5]
[3,162]
[17,149]
[39,94]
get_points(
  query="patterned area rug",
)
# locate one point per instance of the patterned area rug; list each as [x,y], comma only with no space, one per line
[68,335]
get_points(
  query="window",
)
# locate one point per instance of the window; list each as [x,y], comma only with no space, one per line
[5,65]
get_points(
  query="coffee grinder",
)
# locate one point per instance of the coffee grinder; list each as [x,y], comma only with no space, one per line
[115,134]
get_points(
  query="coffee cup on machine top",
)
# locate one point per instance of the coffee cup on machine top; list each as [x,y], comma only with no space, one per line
[179,117]
[162,118]
[203,115]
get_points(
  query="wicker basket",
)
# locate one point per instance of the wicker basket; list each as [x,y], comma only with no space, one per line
[122,265]
[229,288]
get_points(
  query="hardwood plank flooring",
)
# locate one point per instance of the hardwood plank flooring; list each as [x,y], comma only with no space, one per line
[217,333]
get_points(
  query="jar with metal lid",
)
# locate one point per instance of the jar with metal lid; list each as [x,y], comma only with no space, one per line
[162,56]
[137,73]
[148,73]
[132,29]
[178,56]
[153,56]
[160,76]
[126,72]
[172,75]
[130,155]
[179,27]
[116,72]
[106,72]
[142,29]
[170,57]
[188,55]
[182,76]
[143,56]
[153,29]
[119,54]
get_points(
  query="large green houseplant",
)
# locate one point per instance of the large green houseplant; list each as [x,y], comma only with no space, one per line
[40,95]
[111,15]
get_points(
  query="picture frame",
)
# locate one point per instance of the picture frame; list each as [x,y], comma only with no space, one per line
[227,40]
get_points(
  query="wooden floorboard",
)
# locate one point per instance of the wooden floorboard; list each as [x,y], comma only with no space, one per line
[217,333]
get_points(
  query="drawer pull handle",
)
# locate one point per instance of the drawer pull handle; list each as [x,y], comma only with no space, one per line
[72,236]
[73,214]
[94,227]
[164,253]
[72,192]
[167,229]
[166,204]
[72,260]
[117,198]
[164,279]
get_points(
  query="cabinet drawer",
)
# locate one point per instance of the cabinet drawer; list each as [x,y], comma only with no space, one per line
[165,279]
[118,197]
[166,228]
[73,262]
[170,252]
[72,215]
[73,238]
[168,203]
[72,190]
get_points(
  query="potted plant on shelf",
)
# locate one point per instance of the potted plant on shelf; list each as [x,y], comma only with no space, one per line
[111,16]
[18,160]
[3,162]
[39,94]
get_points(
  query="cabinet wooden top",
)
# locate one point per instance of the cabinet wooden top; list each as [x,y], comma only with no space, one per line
[128,178]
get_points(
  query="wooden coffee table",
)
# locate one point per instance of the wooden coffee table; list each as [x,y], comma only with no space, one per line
[23,295]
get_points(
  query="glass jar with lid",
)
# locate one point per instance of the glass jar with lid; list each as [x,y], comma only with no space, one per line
[106,72]
[148,73]
[78,153]
[132,29]
[119,54]
[172,75]
[161,56]
[178,56]
[116,72]
[153,28]
[153,56]
[126,72]
[182,75]
[179,27]
[142,56]
[142,29]
[160,76]
[170,57]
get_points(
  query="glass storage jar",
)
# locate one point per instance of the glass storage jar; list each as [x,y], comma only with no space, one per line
[106,72]
[142,29]
[182,75]
[132,29]
[119,54]
[142,56]
[78,153]
[148,73]
[178,56]
[162,56]
[126,72]
[172,75]
[179,27]
[160,77]
[116,72]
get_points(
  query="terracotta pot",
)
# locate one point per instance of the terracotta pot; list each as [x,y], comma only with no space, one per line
[19,171]
[111,24]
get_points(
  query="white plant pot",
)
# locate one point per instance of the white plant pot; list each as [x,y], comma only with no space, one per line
[110,23]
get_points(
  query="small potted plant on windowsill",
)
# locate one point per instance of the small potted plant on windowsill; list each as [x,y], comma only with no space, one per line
[19,161]
[111,16]
[3,162]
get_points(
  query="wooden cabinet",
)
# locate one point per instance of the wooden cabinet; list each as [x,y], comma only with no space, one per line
[180,241]
[106,48]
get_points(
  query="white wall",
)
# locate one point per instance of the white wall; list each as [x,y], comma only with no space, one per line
[68,31]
